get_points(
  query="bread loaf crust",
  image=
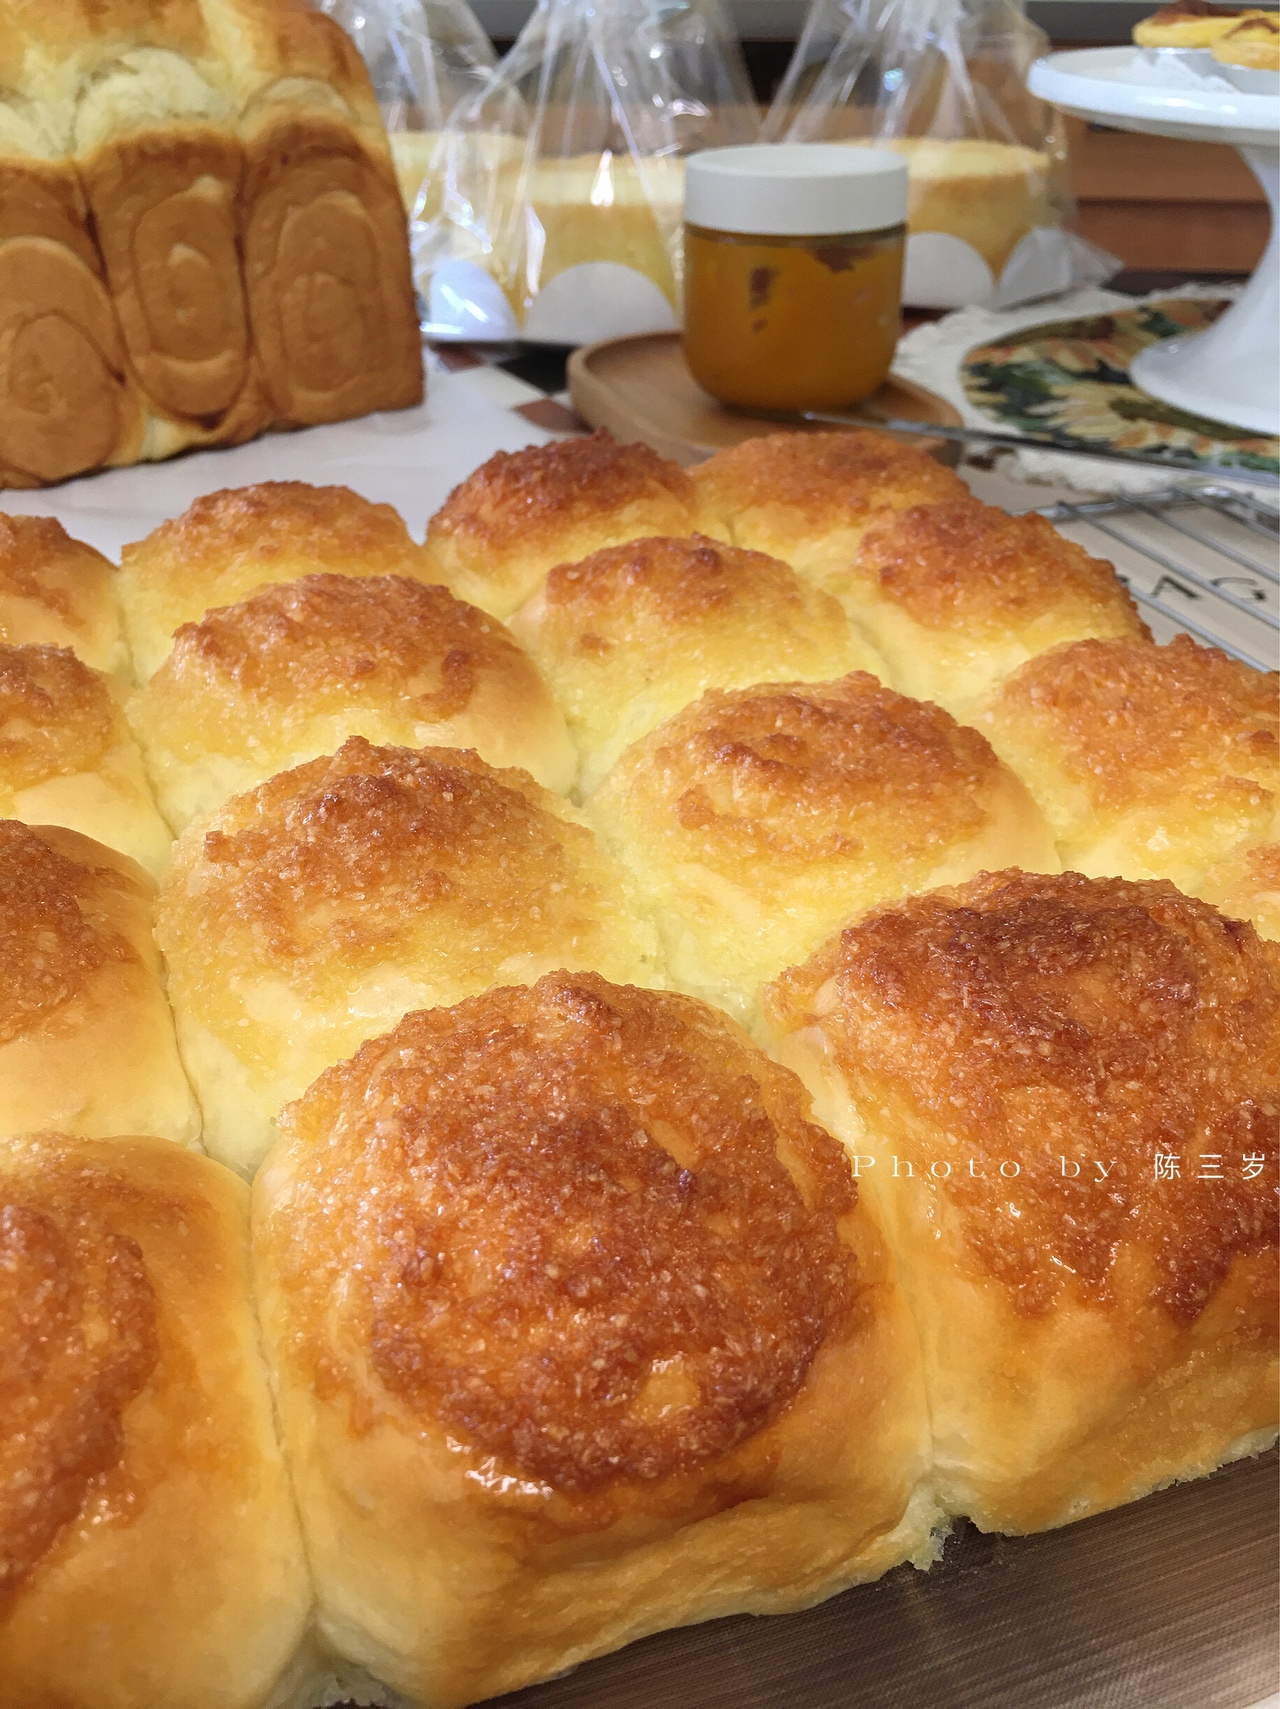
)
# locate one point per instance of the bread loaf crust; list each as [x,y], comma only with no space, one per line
[201,236]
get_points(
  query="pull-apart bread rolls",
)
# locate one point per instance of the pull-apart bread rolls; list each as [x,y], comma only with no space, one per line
[1070,1088]
[313,912]
[86,1037]
[229,544]
[150,1556]
[67,757]
[578,1332]
[760,819]
[495,537]
[957,595]
[58,592]
[635,632]
[202,233]
[808,498]
[291,672]
[1149,762]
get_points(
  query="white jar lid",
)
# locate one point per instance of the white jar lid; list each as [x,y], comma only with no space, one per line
[795,189]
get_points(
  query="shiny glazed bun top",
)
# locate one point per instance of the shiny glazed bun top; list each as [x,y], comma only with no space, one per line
[58,591]
[585,1230]
[314,911]
[227,544]
[292,671]
[633,633]
[807,498]
[958,594]
[1149,762]
[762,818]
[496,536]
[1021,1018]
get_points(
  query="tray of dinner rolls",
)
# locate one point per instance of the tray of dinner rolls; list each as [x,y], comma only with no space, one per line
[651,1056]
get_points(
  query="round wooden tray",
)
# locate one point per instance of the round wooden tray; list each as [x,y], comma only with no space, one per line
[640,388]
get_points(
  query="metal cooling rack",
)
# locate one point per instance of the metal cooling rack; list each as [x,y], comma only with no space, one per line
[1203,560]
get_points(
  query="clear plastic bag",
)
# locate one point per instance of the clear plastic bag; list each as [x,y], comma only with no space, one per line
[562,207]
[423,57]
[944,82]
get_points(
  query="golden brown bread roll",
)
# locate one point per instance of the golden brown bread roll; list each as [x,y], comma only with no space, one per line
[313,912]
[496,536]
[201,236]
[66,755]
[635,632]
[1016,1055]
[808,498]
[58,591]
[86,1037]
[228,544]
[1253,41]
[578,1332]
[1149,762]
[1246,885]
[957,595]
[759,819]
[1186,23]
[149,1547]
[291,672]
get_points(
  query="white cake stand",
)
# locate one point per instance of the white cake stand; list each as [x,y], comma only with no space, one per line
[1231,371]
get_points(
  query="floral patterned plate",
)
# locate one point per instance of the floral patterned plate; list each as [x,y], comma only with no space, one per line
[1069,381]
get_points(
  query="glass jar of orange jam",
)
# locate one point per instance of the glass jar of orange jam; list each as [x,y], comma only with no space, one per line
[793,272]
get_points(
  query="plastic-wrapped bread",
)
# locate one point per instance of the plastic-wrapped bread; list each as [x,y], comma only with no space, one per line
[808,498]
[315,911]
[1149,762]
[228,544]
[959,594]
[1064,1095]
[578,1332]
[633,633]
[291,672]
[496,536]
[56,591]
[150,1547]
[204,235]
[67,757]
[760,819]
[86,1036]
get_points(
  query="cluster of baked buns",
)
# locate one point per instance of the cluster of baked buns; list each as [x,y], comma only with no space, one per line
[201,234]
[730,1020]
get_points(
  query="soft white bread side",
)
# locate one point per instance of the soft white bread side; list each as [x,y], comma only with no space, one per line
[86,1036]
[149,1544]
[578,1332]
